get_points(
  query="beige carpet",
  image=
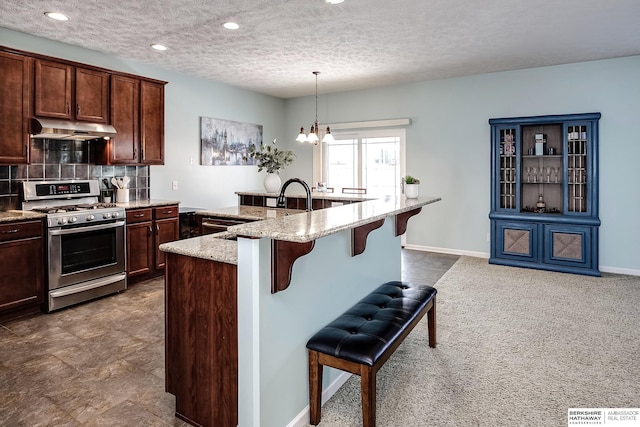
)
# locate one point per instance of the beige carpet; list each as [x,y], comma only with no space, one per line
[516,347]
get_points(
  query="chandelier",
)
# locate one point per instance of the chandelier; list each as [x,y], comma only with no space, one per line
[314,135]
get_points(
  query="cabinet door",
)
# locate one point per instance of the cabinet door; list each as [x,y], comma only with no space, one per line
[167,230]
[92,96]
[580,175]
[14,108]
[139,248]
[151,123]
[125,108]
[516,241]
[569,245]
[505,165]
[53,82]
[22,265]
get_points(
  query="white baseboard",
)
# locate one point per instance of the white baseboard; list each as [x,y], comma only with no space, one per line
[617,270]
[604,269]
[447,251]
[302,419]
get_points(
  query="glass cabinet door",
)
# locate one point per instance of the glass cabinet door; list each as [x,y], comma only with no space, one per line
[507,178]
[577,171]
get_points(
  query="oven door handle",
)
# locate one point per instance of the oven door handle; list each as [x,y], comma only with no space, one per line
[63,231]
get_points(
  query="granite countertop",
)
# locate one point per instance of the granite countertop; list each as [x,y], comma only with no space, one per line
[214,247]
[146,203]
[15,215]
[314,195]
[248,212]
[308,226]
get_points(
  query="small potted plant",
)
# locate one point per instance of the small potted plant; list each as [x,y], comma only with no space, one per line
[411,186]
[271,159]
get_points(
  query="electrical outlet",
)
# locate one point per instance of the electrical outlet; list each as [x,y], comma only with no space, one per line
[191,161]
[174,185]
[488,236]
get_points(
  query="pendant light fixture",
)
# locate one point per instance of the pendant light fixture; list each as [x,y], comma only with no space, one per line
[314,134]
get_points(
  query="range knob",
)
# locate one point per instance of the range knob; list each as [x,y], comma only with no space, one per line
[106,215]
[62,221]
[73,219]
[90,217]
[115,214]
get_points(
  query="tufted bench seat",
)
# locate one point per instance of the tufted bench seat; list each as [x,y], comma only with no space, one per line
[362,339]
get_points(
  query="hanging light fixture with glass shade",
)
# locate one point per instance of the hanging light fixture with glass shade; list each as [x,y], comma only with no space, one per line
[314,134]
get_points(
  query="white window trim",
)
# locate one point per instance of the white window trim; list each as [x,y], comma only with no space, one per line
[320,150]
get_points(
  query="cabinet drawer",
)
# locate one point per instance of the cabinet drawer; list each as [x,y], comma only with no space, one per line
[20,230]
[139,215]
[166,212]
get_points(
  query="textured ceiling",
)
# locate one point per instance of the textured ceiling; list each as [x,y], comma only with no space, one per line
[357,44]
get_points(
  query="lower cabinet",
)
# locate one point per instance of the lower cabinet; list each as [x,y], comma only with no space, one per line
[570,248]
[22,260]
[201,339]
[147,229]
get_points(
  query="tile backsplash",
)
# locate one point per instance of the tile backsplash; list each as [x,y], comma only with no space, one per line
[56,160]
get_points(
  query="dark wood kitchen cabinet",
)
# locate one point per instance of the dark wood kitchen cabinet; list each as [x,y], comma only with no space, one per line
[63,91]
[137,113]
[125,117]
[139,241]
[147,229]
[167,229]
[151,123]
[22,264]
[14,108]
[201,339]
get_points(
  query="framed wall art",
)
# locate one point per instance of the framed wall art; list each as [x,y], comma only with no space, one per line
[226,142]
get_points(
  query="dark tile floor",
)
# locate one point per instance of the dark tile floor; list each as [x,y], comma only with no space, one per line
[102,363]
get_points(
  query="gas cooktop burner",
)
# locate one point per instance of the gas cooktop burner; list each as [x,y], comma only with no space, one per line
[74,208]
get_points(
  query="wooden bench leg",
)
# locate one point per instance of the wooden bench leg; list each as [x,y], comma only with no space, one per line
[315,388]
[368,392]
[431,322]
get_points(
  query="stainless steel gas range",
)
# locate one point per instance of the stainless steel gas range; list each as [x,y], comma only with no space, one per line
[86,240]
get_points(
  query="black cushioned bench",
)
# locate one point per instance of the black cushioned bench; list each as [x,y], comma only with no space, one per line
[362,339]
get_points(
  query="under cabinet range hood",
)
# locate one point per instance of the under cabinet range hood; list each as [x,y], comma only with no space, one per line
[65,129]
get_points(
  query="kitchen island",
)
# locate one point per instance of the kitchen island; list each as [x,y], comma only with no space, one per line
[236,328]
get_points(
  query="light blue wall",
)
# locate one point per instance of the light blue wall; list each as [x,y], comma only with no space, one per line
[448,143]
[276,327]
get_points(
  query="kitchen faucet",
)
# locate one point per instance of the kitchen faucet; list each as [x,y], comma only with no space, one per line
[281,199]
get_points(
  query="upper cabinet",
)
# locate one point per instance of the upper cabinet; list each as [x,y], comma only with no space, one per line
[66,92]
[14,108]
[125,117]
[34,85]
[137,113]
[151,123]
[544,192]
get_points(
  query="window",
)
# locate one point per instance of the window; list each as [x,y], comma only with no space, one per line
[372,159]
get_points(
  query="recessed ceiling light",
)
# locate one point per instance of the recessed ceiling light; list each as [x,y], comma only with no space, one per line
[333,1]
[159,47]
[57,16]
[231,25]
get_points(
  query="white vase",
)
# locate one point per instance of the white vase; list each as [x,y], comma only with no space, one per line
[272,183]
[411,191]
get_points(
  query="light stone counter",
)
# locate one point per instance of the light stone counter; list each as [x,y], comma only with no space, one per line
[214,247]
[308,226]
[146,203]
[15,215]
[314,195]
[248,212]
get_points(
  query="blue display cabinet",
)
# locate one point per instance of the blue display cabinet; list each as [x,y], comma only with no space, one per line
[544,192]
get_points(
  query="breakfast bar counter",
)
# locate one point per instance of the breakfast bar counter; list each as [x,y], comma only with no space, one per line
[236,331]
